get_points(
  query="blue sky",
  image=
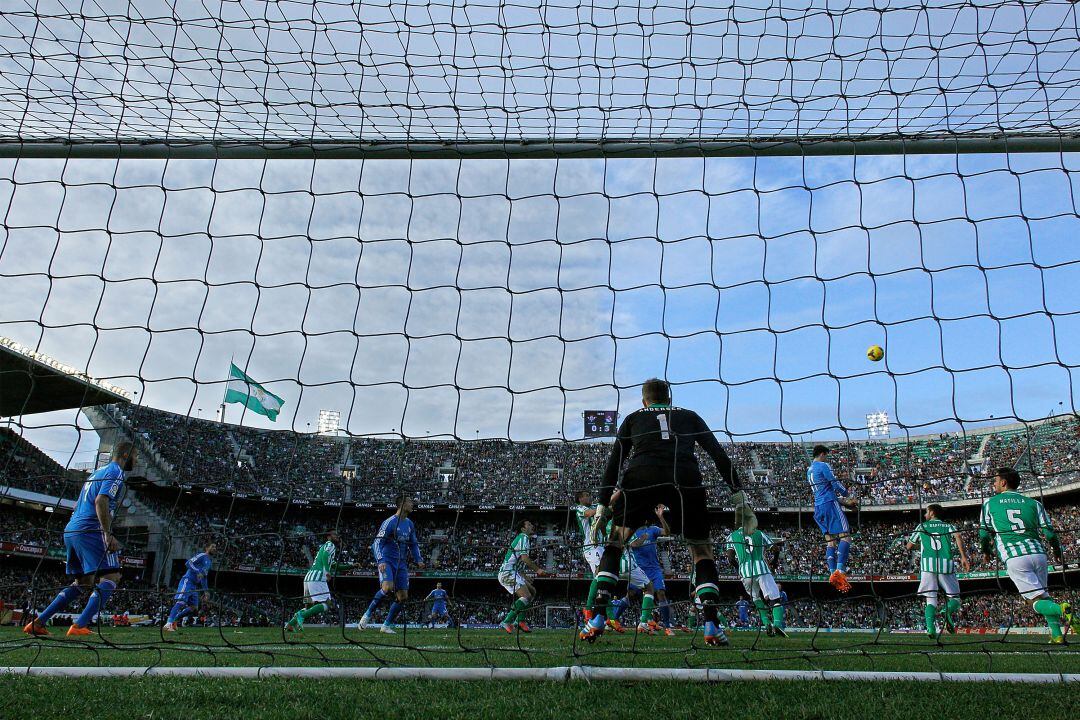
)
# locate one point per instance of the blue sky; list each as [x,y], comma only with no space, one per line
[500,298]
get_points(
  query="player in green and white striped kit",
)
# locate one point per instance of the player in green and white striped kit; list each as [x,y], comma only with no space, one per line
[592,548]
[1012,524]
[316,590]
[748,550]
[513,578]
[935,539]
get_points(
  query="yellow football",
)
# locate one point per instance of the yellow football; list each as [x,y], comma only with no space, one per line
[875,353]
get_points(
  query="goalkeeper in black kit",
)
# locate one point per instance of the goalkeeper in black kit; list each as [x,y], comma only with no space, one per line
[656,445]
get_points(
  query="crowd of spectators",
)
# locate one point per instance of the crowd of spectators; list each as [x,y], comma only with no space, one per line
[24,466]
[287,464]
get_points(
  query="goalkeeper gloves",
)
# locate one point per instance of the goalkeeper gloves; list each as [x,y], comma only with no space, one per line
[744,515]
[599,520]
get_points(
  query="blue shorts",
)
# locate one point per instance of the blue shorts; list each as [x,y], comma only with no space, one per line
[187,593]
[394,571]
[831,519]
[438,609]
[655,573]
[87,553]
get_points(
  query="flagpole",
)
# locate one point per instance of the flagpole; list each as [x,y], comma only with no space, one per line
[226,393]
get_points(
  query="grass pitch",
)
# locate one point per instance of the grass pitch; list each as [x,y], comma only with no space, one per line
[197,698]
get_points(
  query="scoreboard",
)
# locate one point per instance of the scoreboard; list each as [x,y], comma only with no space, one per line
[601,423]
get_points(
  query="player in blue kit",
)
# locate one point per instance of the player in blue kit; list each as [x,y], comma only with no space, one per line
[394,541]
[92,550]
[439,611]
[193,585]
[830,499]
[643,546]
[742,606]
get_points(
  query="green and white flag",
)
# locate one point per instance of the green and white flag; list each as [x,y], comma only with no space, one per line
[242,389]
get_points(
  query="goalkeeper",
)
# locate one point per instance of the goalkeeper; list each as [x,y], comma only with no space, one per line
[656,444]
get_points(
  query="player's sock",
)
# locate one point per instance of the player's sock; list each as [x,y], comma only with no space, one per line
[830,558]
[930,615]
[177,612]
[395,607]
[778,614]
[842,555]
[951,607]
[515,611]
[759,605]
[312,611]
[665,614]
[1051,612]
[96,603]
[648,602]
[619,607]
[707,588]
[61,601]
[607,576]
[591,597]
[375,603]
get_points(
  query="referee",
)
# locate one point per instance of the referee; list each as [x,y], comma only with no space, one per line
[656,444]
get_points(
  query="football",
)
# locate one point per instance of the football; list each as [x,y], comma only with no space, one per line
[875,353]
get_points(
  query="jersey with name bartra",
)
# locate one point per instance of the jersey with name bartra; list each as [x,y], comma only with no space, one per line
[323,567]
[750,552]
[934,539]
[664,436]
[1014,521]
[512,562]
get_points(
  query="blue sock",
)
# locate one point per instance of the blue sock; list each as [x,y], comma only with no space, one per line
[665,615]
[61,601]
[618,607]
[392,613]
[177,611]
[94,605]
[830,558]
[375,602]
[841,556]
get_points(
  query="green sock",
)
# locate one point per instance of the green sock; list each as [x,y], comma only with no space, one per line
[778,615]
[515,611]
[600,608]
[312,611]
[951,608]
[648,602]
[1051,612]
[759,605]
[591,598]
[929,614]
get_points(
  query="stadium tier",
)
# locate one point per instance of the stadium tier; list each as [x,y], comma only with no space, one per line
[312,468]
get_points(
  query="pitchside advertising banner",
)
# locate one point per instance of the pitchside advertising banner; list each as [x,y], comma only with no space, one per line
[58,554]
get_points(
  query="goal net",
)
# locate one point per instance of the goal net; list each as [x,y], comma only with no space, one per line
[335,254]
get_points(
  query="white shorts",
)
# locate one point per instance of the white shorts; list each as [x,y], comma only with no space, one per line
[512,581]
[762,586]
[316,591]
[1028,573]
[930,582]
[638,578]
[593,554]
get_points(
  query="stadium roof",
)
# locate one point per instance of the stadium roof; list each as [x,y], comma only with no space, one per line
[33,383]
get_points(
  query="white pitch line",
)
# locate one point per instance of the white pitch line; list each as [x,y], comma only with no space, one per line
[552,674]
